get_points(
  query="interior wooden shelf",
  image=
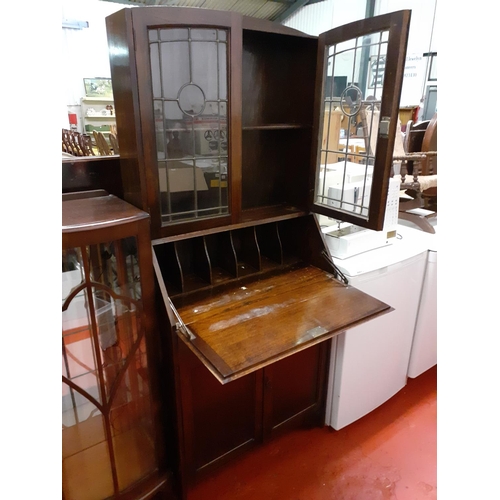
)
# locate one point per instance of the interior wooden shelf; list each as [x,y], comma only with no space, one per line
[276,126]
[270,213]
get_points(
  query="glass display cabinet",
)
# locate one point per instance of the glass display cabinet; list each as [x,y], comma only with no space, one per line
[111,445]
[236,136]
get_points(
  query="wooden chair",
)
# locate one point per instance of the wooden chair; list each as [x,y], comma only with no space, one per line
[71,143]
[101,143]
[85,143]
[417,153]
[420,162]
[76,144]
[66,142]
[114,144]
[331,135]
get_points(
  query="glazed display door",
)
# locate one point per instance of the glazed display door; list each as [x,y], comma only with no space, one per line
[186,108]
[360,73]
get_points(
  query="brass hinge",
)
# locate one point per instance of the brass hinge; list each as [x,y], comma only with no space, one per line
[180,326]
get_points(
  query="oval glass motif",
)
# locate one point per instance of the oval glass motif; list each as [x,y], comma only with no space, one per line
[350,100]
[191,99]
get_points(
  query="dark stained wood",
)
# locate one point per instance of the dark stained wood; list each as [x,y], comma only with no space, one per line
[294,390]
[212,433]
[213,262]
[247,328]
[275,169]
[235,119]
[92,172]
[78,195]
[84,215]
[278,71]
[121,49]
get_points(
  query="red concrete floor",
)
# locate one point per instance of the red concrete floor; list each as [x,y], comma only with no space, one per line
[389,454]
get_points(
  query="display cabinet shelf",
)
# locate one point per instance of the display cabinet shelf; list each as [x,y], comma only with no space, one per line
[277,126]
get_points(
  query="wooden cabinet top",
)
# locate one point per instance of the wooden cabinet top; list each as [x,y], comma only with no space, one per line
[87,214]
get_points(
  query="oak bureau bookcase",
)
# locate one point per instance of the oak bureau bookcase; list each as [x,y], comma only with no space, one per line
[223,123]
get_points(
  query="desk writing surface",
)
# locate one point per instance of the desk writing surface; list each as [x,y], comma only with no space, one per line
[244,328]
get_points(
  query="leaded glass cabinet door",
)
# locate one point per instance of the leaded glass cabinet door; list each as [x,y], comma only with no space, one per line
[190,100]
[183,66]
[360,70]
[109,428]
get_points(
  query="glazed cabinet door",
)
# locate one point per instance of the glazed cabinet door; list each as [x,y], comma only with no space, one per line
[189,125]
[359,74]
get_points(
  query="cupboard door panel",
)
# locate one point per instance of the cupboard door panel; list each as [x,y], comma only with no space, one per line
[295,387]
[359,80]
[219,418]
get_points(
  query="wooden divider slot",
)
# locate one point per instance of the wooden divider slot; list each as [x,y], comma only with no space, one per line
[170,267]
[247,251]
[199,263]
[291,235]
[195,264]
[271,252]
[222,257]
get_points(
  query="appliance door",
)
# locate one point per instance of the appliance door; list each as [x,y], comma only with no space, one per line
[424,348]
[369,362]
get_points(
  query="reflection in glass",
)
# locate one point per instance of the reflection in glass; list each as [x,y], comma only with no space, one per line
[353,84]
[189,72]
[106,408]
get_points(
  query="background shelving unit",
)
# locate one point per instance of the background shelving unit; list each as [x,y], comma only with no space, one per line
[104,123]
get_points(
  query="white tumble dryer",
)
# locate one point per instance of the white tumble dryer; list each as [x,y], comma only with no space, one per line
[369,363]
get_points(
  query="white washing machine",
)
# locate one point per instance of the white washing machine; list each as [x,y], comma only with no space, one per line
[369,363]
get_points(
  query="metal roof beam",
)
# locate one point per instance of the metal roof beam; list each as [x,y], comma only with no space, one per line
[288,12]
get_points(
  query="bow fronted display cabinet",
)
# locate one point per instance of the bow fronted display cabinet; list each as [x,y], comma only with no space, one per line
[113,445]
[238,137]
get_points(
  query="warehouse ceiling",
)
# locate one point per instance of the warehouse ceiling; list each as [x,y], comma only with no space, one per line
[273,10]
